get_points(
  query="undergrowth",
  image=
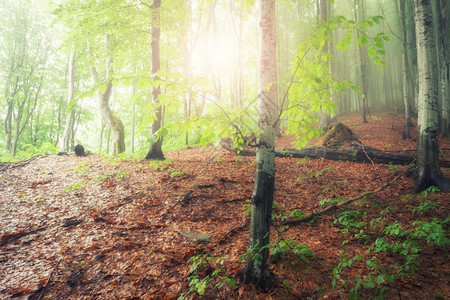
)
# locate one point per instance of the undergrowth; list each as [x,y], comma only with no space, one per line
[402,242]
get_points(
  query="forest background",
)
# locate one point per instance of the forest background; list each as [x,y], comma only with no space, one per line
[207,74]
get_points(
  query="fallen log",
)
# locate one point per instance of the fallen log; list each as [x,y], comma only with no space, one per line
[357,153]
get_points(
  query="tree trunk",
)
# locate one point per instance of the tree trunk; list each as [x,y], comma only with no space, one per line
[114,122]
[100,138]
[363,65]
[155,151]
[71,113]
[428,116]
[404,71]
[444,63]
[256,269]
[325,118]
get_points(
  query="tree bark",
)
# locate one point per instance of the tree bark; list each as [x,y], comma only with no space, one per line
[404,71]
[363,65]
[444,62]
[256,270]
[155,150]
[325,118]
[428,116]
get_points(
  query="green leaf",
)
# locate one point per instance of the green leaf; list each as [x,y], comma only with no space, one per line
[102,88]
[380,279]
[372,52]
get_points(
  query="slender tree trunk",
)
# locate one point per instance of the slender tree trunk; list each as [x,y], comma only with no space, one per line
[155,151]
[100,138]
[114,122]
[256,269]
[404,71]
[133,124]
[71,113]
[325,118]
[444,63]
[363,66]
[8,125]
[428,117]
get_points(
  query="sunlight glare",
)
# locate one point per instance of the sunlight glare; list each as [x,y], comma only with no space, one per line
[218,57]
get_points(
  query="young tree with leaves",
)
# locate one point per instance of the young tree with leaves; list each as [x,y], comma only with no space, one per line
[428,106]
[256,269]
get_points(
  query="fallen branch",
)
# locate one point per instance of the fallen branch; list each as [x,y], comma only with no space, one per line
[296,220]
[186,196]
[6,238]
[360,154]
[11,165]
[42,289]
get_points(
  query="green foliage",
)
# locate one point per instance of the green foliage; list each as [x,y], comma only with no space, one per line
[82,168]
[102,177]
[203,275]
[393,167]
[123,174]
[394,239]
[174,173]
[75,186]
[350,220]
[28,151]
[330,201]
[161,164]
[282,247]
[297,214]
[310,175]
[343,263]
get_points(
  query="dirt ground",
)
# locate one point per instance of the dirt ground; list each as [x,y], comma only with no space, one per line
[102,228]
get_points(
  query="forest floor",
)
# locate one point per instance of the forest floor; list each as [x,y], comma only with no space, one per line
[103,228]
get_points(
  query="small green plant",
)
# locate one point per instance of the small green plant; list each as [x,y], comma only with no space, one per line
[303,161]
[248,208]
[202,275]
[218,159]
[240,159]
[75,186]
[82,168]
[329,188]
[123,174]
[393,167]
[344,263]
[297,214]
[290,246]
[102,177]
[161,164]
[425,206]
[310,174]
[23,197]
[174,173]
[350,220]
[330,201]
